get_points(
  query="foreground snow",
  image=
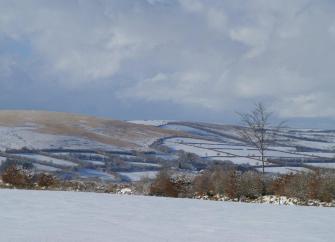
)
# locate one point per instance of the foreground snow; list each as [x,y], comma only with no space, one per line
[68,216]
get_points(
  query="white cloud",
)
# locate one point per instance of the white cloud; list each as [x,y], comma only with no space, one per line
[78,45]
[188,88]
[253,38]
[215,17]
[312,105]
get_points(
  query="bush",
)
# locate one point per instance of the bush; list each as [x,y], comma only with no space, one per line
[312,185]
[279,184]
[231,184]
[213,181]
[20,175]
[203,184]
[17,177]
[163,185]
[327,187]
[251,185]
[296,185]
[45,180]
[217,180]
[25,165]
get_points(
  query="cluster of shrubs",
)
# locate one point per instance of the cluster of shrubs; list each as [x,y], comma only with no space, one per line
[168,185]
[21,175]
[229,182]
[218,180]
[318,185]
[234,184]
[17,176]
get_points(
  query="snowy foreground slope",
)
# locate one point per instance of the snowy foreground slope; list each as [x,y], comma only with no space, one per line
[68,216]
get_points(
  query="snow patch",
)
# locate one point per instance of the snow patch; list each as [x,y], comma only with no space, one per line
[150,122]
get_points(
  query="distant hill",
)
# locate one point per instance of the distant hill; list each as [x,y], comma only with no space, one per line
[41,129]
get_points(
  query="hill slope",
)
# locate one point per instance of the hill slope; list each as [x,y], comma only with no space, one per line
[40,129]
[293,150]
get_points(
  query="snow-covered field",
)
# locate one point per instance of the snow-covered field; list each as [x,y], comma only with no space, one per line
[46,168]
[284,170]
[33,216]
[323,165]
[143,164]
[314,144]
[91,173]
[150,122]
[230,149]
[239,160]
[137,175]
[94,162]
[319,154]
[75,154]
[48,159]
[19,137]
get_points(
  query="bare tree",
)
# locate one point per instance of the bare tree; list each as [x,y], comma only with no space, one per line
[257,130]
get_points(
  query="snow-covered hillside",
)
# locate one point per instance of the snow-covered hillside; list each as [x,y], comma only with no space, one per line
[294,149]
[54,130]
[32,216]
[30,137]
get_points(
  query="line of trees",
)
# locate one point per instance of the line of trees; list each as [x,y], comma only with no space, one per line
[238,185]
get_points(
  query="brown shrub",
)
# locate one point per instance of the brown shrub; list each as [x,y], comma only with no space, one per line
[217,180]
[297,186]
[16,177]
[231,184]
[183,185]
[278,186]
[312,185]
[45,180]
[163,185]
[327,187]
[203,184]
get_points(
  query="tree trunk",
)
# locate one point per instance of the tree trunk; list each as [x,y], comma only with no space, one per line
[263,165]
[263,174]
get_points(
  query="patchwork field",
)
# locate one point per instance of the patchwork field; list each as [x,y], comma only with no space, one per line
[294,150]
[82,147]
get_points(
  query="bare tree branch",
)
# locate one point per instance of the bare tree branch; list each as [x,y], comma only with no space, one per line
[257,130]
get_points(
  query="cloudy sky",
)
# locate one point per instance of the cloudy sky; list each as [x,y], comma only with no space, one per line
[170,59]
